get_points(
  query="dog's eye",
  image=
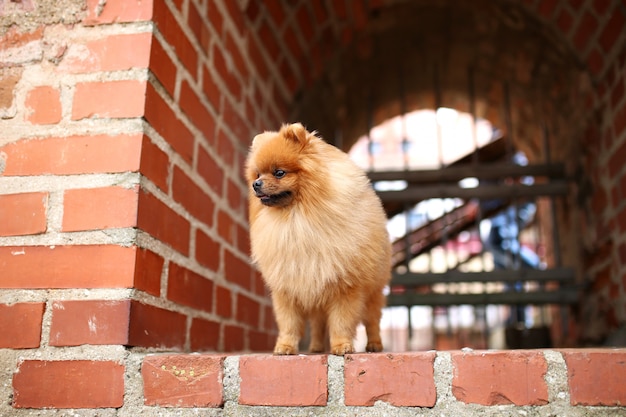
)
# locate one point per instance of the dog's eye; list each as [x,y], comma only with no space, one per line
[279,173]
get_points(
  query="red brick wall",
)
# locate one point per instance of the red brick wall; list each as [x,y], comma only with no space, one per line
[123,216]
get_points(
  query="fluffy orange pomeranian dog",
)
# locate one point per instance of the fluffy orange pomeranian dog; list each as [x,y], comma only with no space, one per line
[318,235]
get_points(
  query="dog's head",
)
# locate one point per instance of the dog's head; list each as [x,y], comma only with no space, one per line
[274,164]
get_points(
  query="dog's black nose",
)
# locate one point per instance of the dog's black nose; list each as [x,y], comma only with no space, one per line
[257,185]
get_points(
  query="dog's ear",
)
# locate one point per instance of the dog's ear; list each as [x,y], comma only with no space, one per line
[296,133]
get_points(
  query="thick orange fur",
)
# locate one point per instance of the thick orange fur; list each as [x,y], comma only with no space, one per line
[319,238]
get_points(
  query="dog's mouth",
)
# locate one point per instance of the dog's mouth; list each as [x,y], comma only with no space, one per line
[274,199]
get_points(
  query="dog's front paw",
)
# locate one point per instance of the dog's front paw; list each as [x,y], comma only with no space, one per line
[341,349]
[285,349]
[374,347]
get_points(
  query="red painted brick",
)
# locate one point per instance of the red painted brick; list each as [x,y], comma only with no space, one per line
[163,223]
[254,51]
[84,266]
[226,227]
[234,51]
[23,214]
[73,155]
[237,270]
[283,380]
[162,66]
[403,380]
[155,327]
[45,105]
[504,377]
[235,196]
[20,325]
[225,148]
[154,163]
[248,310]
[223,302]
[215,17]
[148,269]
[89,322]
[188,288]
[99,208]
[596,376]
[111,99]
[183,380]
[168,125]
[204,335]
[68,384]
[117,11]
[194,200]
[192,106]
[233,338]
[112,53]
[210,171]
[207,251]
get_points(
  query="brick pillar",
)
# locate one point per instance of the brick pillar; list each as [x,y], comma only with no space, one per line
[122,205]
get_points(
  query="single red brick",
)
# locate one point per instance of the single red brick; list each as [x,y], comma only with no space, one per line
[234,338]
[196,111]
[20,325]
[23,214]
[73,155]
[167,124]
[188,288]
[248,310]
[223,302]
[596,376]
[207,251]
[160,221]
[148,269]
[45,105]
[403,380]
[235,196]
[83,266]
[494,378]
[155,327]
[89,322]
[99,208]
[226,227]
[237,271]
[117,11]
[225,148]
[261,341]
[163,67]
[110,99]
[183,380]
[68,384]
[192,197]
[112,53]
[283,380]
[204,335]
[210,171]
[154,163]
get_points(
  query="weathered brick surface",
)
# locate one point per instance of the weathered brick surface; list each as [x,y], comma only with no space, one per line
[183,380]
[99,208]
[87,266]
[23,214]
[68,384]
[597,377]
[152,326]
[89,322]
[500,377]
[283,380]
[398,379]
[20,325]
